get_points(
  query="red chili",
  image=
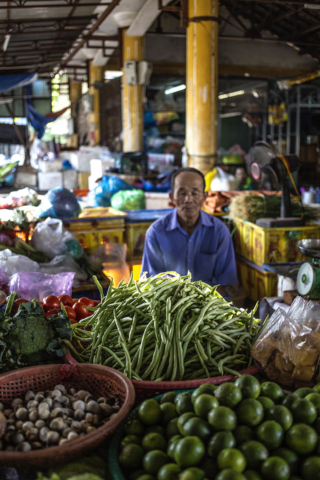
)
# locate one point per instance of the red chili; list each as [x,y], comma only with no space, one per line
[81,311]
[87,301]
[50,302]
[66,300]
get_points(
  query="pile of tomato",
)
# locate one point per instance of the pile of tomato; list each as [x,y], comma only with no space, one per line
[76,308]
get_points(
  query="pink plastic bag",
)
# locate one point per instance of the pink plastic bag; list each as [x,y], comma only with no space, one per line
[39,285]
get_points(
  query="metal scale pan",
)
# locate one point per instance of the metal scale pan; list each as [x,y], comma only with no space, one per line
[308,279]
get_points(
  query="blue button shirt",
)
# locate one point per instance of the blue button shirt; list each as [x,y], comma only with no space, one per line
[207,253]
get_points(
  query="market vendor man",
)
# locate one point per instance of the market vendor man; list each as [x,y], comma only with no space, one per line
[188,239]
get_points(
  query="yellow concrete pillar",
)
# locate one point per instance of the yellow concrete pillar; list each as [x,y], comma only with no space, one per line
[75,94]
[202,84]
[132,98]
[95,75]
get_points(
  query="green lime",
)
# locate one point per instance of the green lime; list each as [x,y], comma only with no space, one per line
[130,439]
[311,468]
[149,412]
[315,399]
[275,468]
[168,397]
[229,474]
[168,413]
[316,426]
[316,388]
[170,471]
[155,429]
[220,441]
[222,418]
[154,460]
[252,475]
[231,458]
[146,476]
[250,412]
[183,403]
[189,452]
[154,441]
[288,400]
[243,434]
[136,474]
[273,391]
[303,392]
[270,433]
[289,456]
[255,453]
[192,473]
[131,456]
[302,439]
[197,427]
[134,427]
[282,415]
[266,402]
[172,445]
[183,419]
[249,386]
[208,388]
[203,404]
[172,428]
[210,468]
[304,411]
[228,395]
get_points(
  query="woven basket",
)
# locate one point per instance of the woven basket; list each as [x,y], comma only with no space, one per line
[151,389]
[98,380]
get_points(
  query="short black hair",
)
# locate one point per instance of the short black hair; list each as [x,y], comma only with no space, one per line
[190,170]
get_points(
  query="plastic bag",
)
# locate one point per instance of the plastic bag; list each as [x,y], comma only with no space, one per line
[51,238]
[288,348]
[101,195]
[39,285]
[4,279]
[64,263]
[59,203]
[129,200]
[223,181]
[111,259]
[11,263]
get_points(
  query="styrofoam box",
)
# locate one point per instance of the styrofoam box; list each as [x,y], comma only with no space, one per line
[81,161]
[98,167]
[70,179]
[157,201]
[25,179]
[92,182]
[49,180]
[50,166]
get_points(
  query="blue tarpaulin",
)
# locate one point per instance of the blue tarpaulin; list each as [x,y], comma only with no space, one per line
[37,120]
[10,82]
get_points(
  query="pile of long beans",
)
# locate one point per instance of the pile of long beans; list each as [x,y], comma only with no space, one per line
[166,328]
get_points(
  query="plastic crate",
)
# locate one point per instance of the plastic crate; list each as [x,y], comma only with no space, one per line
[271,245]
[92,232]
[256,281]
[136,225]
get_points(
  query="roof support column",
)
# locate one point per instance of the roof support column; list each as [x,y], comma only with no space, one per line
[132,97]
[202,84]
[95,75]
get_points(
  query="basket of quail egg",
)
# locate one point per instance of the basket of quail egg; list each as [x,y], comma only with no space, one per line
[52,414]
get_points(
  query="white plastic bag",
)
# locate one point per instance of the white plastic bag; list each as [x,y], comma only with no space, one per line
[223,182]
[49,237]
[12,263]
[64,263]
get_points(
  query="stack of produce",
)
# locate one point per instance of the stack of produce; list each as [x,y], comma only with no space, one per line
[167,328]
[240,431]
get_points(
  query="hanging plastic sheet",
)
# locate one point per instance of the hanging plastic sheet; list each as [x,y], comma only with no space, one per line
[10,82]
[38,121]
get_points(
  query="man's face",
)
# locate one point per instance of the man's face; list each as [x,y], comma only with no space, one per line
[241,175]
[188,196]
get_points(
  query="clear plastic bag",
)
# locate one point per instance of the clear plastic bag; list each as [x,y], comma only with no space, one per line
[288,347]
[50,237]
[39,285]
[64,263]
[12,263]
[111,259]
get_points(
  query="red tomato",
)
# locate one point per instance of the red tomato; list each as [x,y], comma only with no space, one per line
[50,302]
[87,301]
[66,300]
[81,310]
[51,313]
[96,302]
[71,314]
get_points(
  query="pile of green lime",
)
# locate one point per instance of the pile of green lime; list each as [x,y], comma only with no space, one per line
[237,431]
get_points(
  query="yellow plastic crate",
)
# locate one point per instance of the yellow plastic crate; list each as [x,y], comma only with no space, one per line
[91,233]
[256,282]
[271,245]
[135,236]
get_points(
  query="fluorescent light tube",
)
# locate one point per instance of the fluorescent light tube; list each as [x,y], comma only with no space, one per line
[178,88]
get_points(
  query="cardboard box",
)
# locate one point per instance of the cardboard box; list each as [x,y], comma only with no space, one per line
[83,181]
[49,180]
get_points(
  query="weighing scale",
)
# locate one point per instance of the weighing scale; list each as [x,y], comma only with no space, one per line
[308,279]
